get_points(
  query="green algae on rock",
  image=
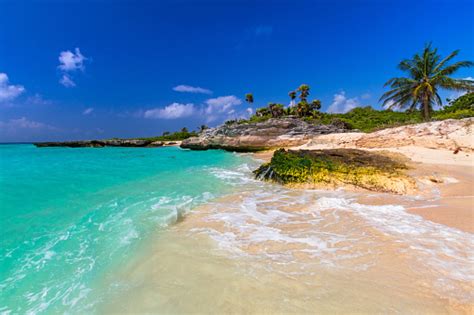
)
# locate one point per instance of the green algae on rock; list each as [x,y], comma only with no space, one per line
[338,167]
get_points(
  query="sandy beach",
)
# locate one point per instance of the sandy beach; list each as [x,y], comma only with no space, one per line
[304,251]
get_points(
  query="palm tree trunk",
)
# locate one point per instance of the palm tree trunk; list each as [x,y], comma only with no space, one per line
[426,108]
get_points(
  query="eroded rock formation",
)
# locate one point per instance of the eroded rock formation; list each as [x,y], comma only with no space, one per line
[247,137]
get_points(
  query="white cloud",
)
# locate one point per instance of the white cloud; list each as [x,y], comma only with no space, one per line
[468,78]
[221,107]
[172,111]
[342,104]
[191,89]
[67,81]
[221,104]
[9,92]
[87,111]
[71,61]
[24,123]
[249,110]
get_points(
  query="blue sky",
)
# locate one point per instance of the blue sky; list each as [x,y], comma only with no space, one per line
[99,69]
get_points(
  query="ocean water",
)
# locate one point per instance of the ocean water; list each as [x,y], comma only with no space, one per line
[70,217]
[90,231]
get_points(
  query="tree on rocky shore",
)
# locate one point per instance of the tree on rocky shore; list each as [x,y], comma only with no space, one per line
[426,74]
[292,95]
[249,98]
[276,110]
[303,108]
[304,92]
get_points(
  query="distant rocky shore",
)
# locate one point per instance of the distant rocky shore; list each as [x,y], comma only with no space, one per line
[132,143]
[251,137]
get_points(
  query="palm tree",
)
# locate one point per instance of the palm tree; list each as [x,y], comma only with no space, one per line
[276,110]
[249,98]
[315,105]
[292,95]
[261,112]
[304,92]
[427,73]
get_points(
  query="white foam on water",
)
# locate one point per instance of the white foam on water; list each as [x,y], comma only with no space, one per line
[240,175]
[115,222]
[337,232]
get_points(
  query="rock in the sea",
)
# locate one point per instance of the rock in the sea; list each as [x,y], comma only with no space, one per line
[99,143]
[338,167]
[250,137]
[156,144]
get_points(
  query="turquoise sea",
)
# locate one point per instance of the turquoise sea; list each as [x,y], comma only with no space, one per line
[69,217]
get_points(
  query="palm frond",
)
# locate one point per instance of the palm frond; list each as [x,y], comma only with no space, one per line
[445,60]
[455,67]
[456,84]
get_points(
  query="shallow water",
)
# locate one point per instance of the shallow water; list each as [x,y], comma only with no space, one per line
[70,216]
[267,249]
[93,236]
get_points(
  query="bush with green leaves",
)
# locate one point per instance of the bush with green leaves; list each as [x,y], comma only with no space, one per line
[365,119]
[464,102]
[175,136]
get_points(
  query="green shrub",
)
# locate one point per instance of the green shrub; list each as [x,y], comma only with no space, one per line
[464,102]
[367,119]
[175,136]
[460,114]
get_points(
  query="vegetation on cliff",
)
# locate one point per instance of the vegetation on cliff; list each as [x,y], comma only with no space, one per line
[367,119]
[418,93]
[175,136]
[336,167]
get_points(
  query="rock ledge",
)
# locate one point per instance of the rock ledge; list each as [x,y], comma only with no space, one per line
[250,137]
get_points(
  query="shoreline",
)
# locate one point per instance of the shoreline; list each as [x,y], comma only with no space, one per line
[453,172]
[266,234]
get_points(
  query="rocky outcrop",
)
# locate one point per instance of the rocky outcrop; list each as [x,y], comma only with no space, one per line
[333,168]
[448,134]
[102,143]
[248,137]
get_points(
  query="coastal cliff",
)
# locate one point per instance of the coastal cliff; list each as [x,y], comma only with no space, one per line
[450,134]
[249,137]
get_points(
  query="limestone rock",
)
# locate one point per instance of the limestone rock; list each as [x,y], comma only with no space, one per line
[97,143]
[248,137]
[451,134]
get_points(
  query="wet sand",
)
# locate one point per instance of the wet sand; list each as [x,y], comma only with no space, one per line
[266,249]
[455,204]
[270,250]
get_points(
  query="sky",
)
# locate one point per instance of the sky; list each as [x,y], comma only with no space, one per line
[99,69]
